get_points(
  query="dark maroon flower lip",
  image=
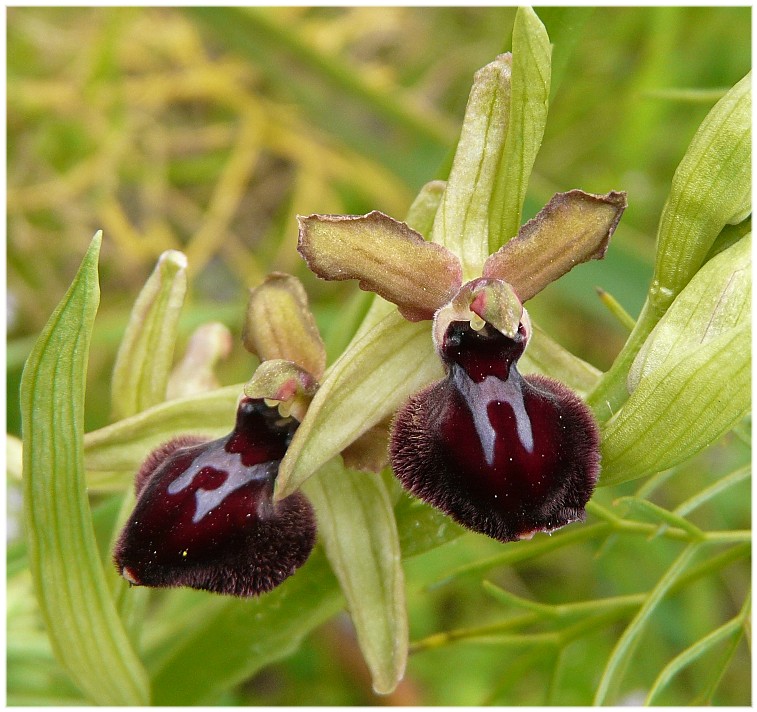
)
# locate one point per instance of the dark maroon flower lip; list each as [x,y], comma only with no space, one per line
[205,516]
[503,454]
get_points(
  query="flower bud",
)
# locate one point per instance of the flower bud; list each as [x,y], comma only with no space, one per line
[503,454]
[205,517]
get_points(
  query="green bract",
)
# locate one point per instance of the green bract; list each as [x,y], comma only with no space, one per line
[711,189]
[87,635]
[356,521]
[691,379]
[143,364]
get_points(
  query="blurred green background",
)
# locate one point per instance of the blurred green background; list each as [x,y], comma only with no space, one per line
[208,130]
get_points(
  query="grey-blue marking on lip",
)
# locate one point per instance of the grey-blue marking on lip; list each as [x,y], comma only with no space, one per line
[478,396]
[230,463]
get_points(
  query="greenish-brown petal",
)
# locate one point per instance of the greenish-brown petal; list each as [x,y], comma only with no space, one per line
[571,228]
[369,453]
[386,255]
[279,324]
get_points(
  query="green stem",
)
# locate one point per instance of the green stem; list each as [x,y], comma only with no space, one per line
[611,392]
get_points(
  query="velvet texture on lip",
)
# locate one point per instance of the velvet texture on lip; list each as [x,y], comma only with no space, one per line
[503,454]
[205,517]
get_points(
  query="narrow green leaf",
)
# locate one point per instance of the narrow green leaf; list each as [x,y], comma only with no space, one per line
[624,648]
[530,82]
[124,445]
[717,299]
[733,629]
[705,495]
[359,532]
[711,188]
[462,221]
[718,669]
[679,409]
[144,359]
[86,633]
[379,371]
[670,518]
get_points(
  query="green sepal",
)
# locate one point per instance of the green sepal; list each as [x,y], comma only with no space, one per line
[377,373]
[420,215]
[527,118]
[717,299]
[279,325]
[122,446]
[462,220]
[387,256]
[680,408]
[87,635]
[357,526]
[571,228]
[544,355]
[711,188]
[144,359]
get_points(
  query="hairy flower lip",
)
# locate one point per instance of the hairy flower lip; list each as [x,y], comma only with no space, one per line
[503,454]
[205,517]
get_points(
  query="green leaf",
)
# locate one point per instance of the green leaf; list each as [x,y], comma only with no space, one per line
[679,409]
[87,635]
[669,518]
[624,648]
[717,299]
[359,532]
[124,445]
[380,370]
[733,629]
[711,188]
[143,362]
[531,71]
[462,221]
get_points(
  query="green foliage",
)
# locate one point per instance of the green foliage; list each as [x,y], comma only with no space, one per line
[208,136]
[85,631]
